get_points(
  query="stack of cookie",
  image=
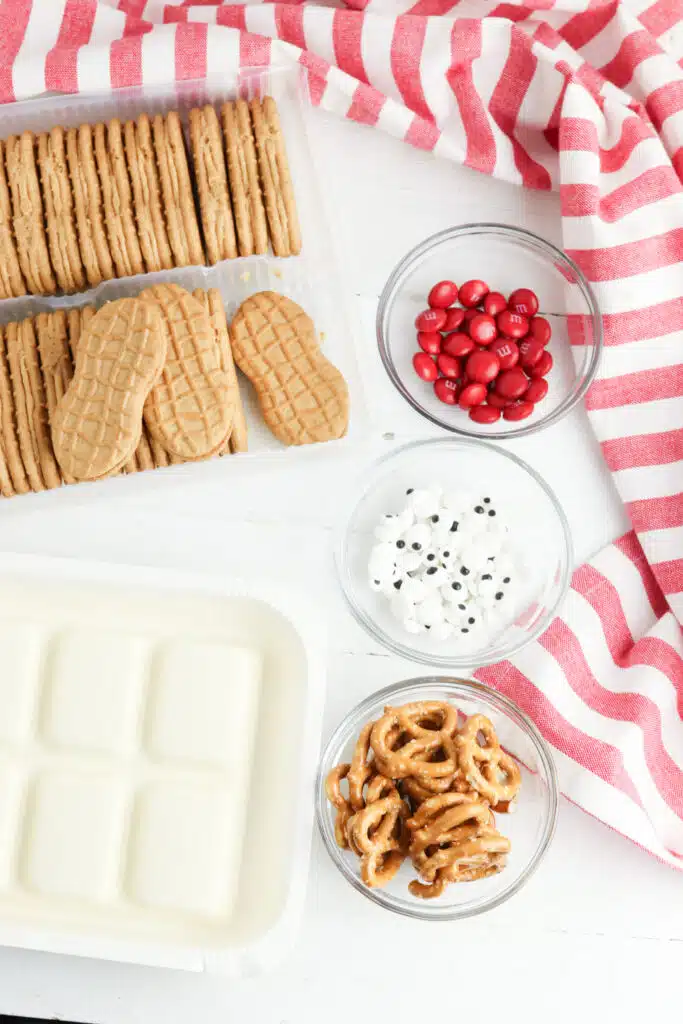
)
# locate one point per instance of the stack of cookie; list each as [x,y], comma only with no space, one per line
[37,360]
[243,180]
[82,205]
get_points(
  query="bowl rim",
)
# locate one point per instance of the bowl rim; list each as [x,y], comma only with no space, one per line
[450,662]
[395,279]
[489,696]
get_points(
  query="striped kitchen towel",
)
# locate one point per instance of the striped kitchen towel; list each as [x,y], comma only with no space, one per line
[581,96]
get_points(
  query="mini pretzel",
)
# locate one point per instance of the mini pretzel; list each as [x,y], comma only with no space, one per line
[431,826]
[379,787]
[360,769]
[376,834]
[333,786]
[479,856]
[419,741]
[341,823]
[487,767]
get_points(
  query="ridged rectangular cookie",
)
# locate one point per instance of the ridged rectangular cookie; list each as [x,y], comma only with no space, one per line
[12,283]
[276,181]
[117,199]
[212,184]
[13,480]
[28,218]
[60,216]
[52,334]
[176,191]
[144,179]
[35,443]
[92,237]
[245,187]
[238,435]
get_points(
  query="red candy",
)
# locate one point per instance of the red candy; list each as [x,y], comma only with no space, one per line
[518,411]
[446,390]
[491,360]
[458,345]
[543,366]
[444,294]
[482,367]
[497,401]
[510,324]
[507,352]
[495,303]
[430,320]
[449,366]
[511,383]
[523,301]
[530,353]
[472,394]
[472,293]
[424,366]
[539,330]
[484,414]
[429,341]
[536,391]
[483,329]
[454,317]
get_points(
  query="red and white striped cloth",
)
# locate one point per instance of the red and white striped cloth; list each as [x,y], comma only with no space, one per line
[581,96]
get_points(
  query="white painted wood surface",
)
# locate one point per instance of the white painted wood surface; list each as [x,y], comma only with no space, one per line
[598,932]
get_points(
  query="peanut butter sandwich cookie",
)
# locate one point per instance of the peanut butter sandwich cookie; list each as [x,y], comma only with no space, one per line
[87,193]
[98,423]
[52,332]
[31,407]
[27,214]
[12,474]
[275,178]
[59,211]
[250,213]
[12,283]
[303,397]
[212,184]
[176,191]
[117,199]
[190,409]
[238,434]
[144,179]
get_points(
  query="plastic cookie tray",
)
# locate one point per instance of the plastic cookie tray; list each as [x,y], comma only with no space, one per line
[310,279]
[158,742]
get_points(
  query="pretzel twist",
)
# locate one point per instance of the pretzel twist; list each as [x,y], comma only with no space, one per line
[486,766]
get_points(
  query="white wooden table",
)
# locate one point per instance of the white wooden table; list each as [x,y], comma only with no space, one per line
[598,932]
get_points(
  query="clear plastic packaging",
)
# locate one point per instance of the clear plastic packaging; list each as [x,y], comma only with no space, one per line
[311,279]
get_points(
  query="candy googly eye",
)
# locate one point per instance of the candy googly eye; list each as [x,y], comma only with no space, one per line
[418,537]
[429,611]
[382,561]
[424,503]
[413,589]
[435,577]
[409,561]
[388,529]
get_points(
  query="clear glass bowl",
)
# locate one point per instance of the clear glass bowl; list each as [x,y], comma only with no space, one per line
[506,258]
[530,829]
[539,537]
